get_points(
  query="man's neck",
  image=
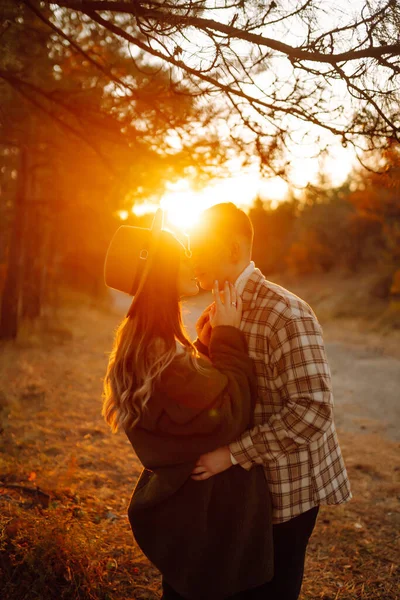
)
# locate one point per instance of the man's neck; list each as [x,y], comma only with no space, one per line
[239,270]
[243,277]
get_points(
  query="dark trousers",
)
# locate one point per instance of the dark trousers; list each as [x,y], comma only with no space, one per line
[290,544]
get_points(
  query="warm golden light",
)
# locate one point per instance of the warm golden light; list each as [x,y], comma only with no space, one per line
[144,208]
[123,215]
[183,204]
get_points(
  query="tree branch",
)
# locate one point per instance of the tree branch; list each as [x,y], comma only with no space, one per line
[16,84]
[296,53]
[216,83]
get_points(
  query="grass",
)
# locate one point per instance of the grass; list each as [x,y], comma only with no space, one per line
[354,551]
[66,481]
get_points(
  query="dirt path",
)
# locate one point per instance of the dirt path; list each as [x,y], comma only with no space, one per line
[366,388]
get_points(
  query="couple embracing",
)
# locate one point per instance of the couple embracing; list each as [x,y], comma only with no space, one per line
[235,430]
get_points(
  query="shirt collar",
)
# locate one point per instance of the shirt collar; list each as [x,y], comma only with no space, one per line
[252,288]
[243,278]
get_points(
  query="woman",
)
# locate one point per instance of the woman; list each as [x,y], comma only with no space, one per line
[210,539]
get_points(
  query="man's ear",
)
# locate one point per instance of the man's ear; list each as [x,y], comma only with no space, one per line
[235,252]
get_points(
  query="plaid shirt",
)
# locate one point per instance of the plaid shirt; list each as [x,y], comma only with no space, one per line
[294,436]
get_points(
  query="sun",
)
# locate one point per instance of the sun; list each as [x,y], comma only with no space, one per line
[182,210]
[183,205]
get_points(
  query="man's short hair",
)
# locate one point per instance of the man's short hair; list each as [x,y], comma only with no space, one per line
[224,220]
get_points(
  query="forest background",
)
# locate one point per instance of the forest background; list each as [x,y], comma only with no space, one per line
[103,105]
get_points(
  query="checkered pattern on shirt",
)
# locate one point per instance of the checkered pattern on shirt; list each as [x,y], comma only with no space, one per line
[294,435]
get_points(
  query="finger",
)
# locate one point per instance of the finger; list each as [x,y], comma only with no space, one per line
[198,470]
[201,321]
[217,298]
[206,311]
[212,316]
[207,328]
[202,477]
[227,293]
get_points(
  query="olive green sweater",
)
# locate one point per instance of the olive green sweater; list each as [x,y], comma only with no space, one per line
[210,539]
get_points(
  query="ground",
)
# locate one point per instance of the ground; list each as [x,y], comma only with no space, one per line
[66,480]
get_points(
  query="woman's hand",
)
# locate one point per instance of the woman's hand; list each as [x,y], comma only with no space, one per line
[228,311]
[203,326]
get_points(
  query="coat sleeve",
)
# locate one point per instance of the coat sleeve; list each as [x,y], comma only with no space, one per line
[202,348]
[207,407]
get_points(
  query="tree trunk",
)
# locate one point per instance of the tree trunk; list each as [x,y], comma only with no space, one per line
[32,286]
[12,285]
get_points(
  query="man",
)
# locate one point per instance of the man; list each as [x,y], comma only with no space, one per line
[294,437]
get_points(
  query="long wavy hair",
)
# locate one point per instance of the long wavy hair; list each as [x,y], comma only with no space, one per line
[145,342]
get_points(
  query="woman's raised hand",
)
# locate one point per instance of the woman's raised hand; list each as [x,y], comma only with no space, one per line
[203,326]
[227,311]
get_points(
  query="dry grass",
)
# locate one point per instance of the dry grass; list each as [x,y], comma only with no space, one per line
[73,540]
[354,551]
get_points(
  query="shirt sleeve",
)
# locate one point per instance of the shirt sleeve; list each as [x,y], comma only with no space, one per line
[303,380]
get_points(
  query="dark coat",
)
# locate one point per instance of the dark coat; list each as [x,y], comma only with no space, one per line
[210,539]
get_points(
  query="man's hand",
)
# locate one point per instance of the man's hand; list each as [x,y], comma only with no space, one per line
[203,326]
[212,463]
